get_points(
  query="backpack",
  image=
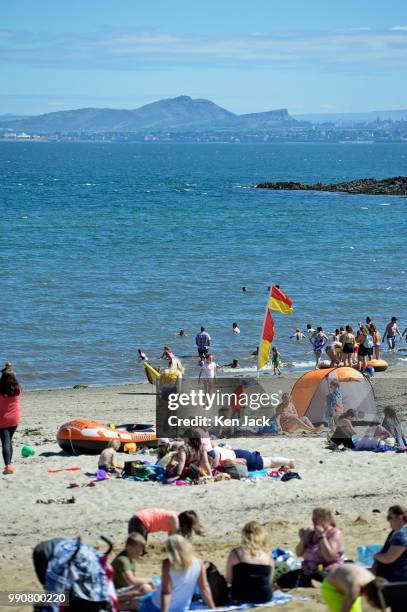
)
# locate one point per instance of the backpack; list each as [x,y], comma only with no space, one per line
[236,470]
[368,343]
[218,585]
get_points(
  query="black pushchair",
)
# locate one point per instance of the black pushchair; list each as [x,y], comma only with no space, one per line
[66,565]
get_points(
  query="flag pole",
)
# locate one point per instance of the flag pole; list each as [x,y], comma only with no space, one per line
[262,330]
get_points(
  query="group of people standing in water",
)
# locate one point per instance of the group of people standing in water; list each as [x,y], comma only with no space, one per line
[251,575]
[347,347]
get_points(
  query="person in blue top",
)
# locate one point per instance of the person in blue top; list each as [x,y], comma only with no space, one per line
[391,561]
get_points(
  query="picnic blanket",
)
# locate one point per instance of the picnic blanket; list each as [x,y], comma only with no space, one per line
[278,598]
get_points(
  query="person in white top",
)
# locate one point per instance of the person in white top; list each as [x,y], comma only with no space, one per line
[235,328]
[208,373]
[180,574]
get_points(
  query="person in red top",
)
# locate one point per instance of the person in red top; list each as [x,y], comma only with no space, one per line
[10,393]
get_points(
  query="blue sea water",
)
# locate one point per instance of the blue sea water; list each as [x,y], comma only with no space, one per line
[109,247]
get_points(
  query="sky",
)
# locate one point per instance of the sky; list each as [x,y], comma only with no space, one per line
[315,56]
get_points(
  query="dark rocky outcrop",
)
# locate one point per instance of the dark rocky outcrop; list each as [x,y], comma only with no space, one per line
[396,185]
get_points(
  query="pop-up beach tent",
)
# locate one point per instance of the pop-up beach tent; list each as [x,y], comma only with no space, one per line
[309,394]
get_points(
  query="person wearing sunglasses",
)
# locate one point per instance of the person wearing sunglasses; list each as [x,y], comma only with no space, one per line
[391,561]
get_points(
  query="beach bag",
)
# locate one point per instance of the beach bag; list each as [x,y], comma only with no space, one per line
[368,343]
[217,584]
[236,470]
[130,467]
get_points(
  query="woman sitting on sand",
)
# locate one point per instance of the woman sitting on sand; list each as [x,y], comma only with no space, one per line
[391,561]
[254,460]
[10,414]
[181,572]
[153,520]
[288,420]
[250,567]
[344,430]
[322,548]
[190,460]
[392,424]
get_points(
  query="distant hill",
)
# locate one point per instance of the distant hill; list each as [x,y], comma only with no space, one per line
[10,117]
[176,114]
[351,118]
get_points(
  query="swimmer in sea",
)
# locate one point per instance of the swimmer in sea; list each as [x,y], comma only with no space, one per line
[255,353]
[235,364]
[235,329]
[141,355]
[310,329]
[182,333]
[244,289]
[298,335]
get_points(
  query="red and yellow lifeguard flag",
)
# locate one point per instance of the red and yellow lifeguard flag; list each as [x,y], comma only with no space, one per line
[280,301]
[266,339]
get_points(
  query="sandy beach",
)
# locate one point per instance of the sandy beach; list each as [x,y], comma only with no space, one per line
[37,505]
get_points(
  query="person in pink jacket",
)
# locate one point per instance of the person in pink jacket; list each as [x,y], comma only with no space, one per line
[10,415]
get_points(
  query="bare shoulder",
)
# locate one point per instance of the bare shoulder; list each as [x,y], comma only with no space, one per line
[350,574]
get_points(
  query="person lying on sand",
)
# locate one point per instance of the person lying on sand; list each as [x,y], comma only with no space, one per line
[288,420]
[124,573]
[343,589]
[254,460]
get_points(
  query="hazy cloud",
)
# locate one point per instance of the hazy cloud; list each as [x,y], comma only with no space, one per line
[134,50]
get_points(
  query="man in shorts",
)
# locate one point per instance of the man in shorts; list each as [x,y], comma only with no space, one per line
[203,342]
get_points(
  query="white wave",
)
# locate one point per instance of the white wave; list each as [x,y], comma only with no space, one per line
[365,207]
[300,364]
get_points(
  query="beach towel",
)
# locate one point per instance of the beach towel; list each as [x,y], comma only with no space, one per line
[278,598]
[145,473]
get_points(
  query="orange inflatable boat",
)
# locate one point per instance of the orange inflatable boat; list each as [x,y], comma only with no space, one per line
[84,437]
[379,365]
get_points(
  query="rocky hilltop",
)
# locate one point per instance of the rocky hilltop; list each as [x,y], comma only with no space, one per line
[395,185]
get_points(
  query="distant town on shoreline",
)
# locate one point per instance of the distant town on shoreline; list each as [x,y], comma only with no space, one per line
[187,120]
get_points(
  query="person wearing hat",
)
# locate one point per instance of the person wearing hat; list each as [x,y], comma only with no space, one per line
[124,568]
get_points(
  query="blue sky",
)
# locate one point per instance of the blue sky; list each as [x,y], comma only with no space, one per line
[246,55]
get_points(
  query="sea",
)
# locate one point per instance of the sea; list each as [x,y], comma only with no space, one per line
[111,247]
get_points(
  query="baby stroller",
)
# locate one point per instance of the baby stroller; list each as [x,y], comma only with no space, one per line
[69,566]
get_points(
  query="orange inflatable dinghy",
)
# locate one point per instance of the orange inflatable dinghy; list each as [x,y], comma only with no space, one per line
[85,437]
[379,365]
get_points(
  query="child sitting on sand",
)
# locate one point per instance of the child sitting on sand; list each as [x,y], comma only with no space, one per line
[130,586]
[107,458]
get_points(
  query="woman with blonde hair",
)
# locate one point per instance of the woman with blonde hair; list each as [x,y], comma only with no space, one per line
[181,572]
[288,420]
[250,566]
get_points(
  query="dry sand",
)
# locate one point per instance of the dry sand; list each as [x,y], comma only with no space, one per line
[359,487]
